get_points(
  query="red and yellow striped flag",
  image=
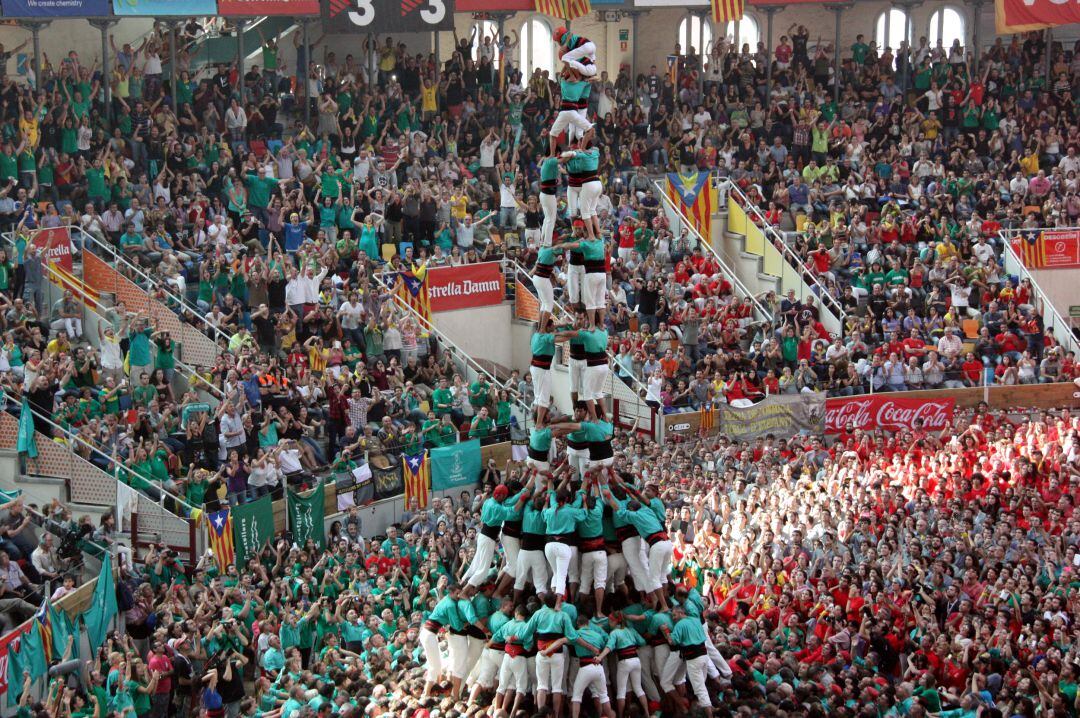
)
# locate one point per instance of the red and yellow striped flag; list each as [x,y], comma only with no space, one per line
[564,9]
[727,10]
[706,419]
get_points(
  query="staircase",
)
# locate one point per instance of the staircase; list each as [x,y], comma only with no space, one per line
[764,260]
[677,222]
[470,368]
[212,48]
[628,409]
[109,272]
[87,483]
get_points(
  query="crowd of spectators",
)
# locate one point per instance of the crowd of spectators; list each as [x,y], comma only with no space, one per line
[911,574]
[876,575]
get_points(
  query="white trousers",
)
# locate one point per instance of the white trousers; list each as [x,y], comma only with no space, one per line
[549,671]
[628,676]
[659,563]
[575,283]
[513,674]
[589,197]
[573,205]
[545,292]
[541,381]
[577,458]
[577,376]
[511,548]
[590,678]
[648,680]
[574,57]
[430,643]
[558,556]
[487,668]
[481,563]
[595,290]
[459,655]
[549,203]
[637,564]
[696,673]
[573,120]
[594,568]
[595,378]
[616,570]
[532,565]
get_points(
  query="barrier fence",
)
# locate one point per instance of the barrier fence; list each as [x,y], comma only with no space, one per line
[785,415]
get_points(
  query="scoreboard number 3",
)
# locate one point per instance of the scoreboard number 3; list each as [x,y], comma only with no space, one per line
[433,13]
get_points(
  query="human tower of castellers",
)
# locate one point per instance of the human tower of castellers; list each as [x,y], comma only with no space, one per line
[577,600]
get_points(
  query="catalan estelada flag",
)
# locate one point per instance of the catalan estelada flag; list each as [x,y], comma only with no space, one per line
[727,10]
[221,538]
[673,69]
[44,621]
[696,198]
[412,289]
[1030,247]
[416,470]
[564,9]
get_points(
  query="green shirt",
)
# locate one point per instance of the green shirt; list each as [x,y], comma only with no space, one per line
[95,182]
[259,190]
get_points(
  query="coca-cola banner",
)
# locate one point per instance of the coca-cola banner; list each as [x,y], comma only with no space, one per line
[887,411]
[465,286]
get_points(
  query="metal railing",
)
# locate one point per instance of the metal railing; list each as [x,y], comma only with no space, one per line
[828,301]
[150,285]
[728,271]
[1051,317]
[73,438]
[467,363]
[637,385]
[94,307]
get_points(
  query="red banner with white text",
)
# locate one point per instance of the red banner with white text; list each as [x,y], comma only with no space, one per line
[55,242]
[465,286]
[1024,15]
[258,8]
[1049,249]
[887,411]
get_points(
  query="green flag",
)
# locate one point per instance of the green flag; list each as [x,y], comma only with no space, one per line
[63,628]
[306,516]
[102,609]
[457,465]
[253,526]
[32,653]
[14,674]
[25,443]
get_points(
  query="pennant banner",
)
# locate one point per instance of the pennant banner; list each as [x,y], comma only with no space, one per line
[306,516]
[253,526]
[454,466]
